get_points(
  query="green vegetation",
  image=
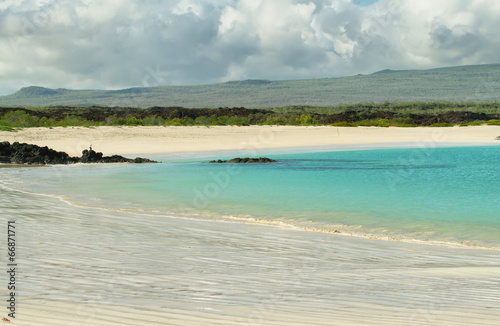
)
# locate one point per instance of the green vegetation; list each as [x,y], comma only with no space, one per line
[21,119]
[410,114]
[370,123]
[5,128]
[480,83]
[18,119]
[442,124]
[418,107]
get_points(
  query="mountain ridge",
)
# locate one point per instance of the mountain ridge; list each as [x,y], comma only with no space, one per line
[477,83]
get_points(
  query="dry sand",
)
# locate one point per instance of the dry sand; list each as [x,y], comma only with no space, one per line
[135,140]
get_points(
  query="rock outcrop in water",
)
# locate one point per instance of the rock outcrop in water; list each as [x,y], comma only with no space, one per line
[246,160]
[22,153]
[91,156]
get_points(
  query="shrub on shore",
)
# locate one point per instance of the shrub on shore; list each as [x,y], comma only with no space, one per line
[435,114]
[18,118]
[6,128]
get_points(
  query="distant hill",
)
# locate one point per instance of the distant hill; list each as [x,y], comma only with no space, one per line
[461,83]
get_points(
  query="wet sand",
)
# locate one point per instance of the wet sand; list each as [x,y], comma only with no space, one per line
[86,266]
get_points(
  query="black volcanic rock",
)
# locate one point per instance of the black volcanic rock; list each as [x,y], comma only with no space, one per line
[22,153]
[32,154]
[246,160]
[91,156]
[140,160]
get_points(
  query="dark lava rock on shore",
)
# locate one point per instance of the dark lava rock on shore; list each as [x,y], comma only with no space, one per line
[246,160]
[32,154]
[22,153]
[91,156]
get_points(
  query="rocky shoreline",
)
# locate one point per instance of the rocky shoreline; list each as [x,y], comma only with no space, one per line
[22,153]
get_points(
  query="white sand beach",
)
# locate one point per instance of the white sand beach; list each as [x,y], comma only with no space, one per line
[170,271]
[76,270]
[144,140]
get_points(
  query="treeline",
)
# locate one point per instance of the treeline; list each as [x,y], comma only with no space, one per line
[381,115]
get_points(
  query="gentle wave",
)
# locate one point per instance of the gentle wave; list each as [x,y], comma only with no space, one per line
[357,231]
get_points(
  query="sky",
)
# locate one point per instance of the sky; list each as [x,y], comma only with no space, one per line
[113,44]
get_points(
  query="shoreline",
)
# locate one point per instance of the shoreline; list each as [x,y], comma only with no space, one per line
[354,141]
[229,274]
[345,231]
[156,140]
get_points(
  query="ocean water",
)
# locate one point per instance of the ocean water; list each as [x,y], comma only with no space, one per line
[444,195]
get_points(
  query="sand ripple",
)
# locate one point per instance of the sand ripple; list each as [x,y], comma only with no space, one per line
[83,266]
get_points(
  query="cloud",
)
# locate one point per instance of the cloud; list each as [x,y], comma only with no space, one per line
[127,43]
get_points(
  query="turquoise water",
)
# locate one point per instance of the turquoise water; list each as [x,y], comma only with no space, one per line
[448,194]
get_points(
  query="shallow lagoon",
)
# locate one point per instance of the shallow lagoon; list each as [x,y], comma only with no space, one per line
[99,241]
[444,194]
